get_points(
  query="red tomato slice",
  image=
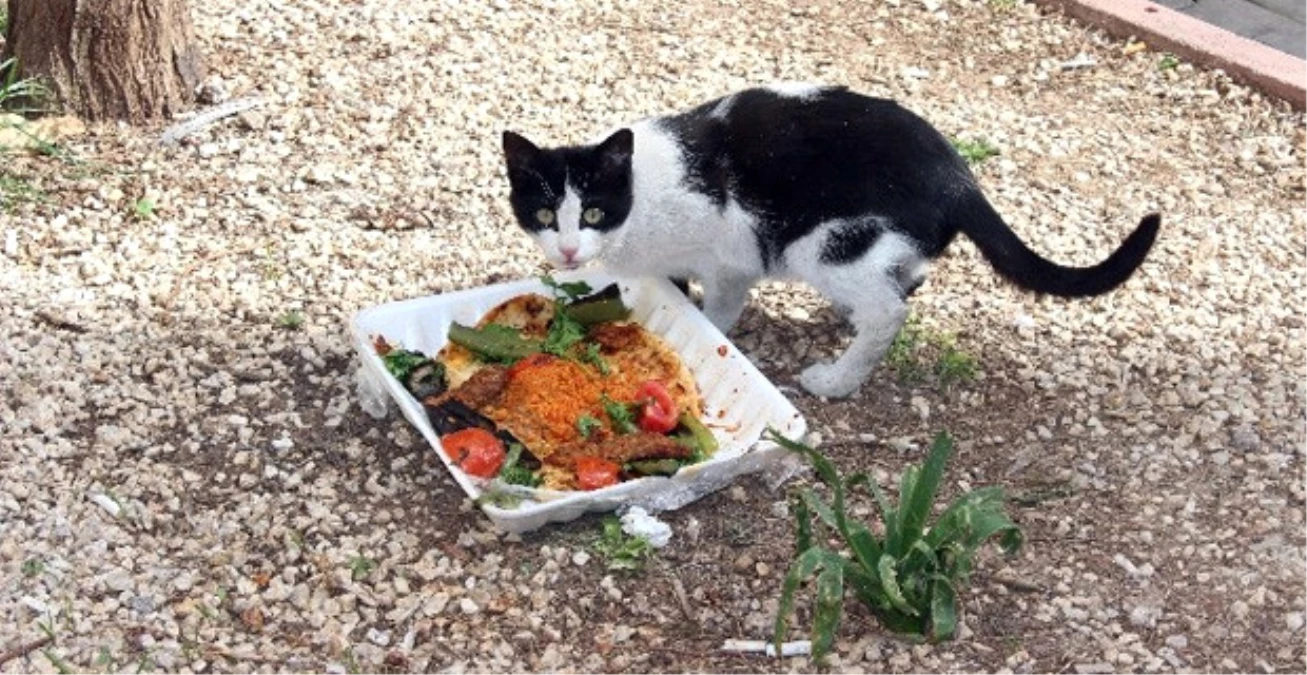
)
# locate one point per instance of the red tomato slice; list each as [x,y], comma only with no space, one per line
[537,359]
[658,414]
[475,450]
[593,473]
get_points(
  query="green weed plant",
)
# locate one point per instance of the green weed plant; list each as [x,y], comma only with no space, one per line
[909,573]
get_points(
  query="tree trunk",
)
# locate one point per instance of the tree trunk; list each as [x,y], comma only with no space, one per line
[108,59]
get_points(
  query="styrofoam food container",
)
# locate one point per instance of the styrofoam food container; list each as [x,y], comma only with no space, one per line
[740,402]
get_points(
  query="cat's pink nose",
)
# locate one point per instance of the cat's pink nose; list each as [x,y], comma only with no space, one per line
[569,252]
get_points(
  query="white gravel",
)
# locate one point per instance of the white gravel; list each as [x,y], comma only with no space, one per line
[188,486]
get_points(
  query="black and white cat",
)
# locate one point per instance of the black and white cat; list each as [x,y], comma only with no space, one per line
[851,194]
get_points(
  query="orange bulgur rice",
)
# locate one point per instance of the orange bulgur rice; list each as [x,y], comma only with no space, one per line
[544,397]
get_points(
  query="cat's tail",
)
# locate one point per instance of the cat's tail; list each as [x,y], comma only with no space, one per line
[1027,269]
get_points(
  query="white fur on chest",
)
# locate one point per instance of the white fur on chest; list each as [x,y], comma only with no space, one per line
[672,230]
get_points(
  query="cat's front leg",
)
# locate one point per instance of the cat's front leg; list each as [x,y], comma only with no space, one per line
[724,298]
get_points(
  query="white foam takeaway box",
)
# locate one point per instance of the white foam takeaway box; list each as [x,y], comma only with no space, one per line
[741,403]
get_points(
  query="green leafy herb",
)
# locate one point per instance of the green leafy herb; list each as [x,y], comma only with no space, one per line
[621,550]
[513,472]
[620,414]
[587,425]
[564,332]
[566,290]
[592,356]
[401,362]
[908,577]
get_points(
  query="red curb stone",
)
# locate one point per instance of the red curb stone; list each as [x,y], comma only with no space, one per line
[1201,43]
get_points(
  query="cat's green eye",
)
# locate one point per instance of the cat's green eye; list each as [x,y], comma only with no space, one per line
[545,216]
[592,216]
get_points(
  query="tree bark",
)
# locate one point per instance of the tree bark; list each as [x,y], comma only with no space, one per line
[108,59]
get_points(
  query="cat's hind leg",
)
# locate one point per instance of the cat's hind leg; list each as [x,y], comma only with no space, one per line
[876,289]
[877,320]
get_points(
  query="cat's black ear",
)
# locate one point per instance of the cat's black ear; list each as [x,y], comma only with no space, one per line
[519,152]
[616,150]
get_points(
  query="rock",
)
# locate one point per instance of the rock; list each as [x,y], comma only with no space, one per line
[381,638]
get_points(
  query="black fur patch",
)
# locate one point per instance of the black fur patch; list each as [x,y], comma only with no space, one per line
[847,242]
[703,140]
[796,163]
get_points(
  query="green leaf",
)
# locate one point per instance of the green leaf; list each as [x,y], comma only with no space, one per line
[587,425]
[825,471]
[943,609]
[802,525]
[620,415]
[592,356]
[918,494]
[401,362]
[975,152]
[888,514]
[920,560]
[824,467]
[564,332]
[620,550]
[513,472]
[818,506]
[830,604]
[889,582]
[910,578]
[866,549]
[801,569]
[866,585]
[569,290]
[974,518]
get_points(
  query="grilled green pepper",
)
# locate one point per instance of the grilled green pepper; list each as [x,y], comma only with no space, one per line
[494,342]
[591,312]
[653,467]
[693,434]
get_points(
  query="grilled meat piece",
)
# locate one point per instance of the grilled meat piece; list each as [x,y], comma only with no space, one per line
[621,449]
[483,388]
[615,337]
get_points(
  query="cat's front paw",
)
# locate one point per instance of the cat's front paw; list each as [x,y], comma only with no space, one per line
[828,380]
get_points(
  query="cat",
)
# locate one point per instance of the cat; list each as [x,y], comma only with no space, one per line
[851,194]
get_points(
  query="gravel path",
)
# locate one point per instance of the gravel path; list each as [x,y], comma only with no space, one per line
[187,483]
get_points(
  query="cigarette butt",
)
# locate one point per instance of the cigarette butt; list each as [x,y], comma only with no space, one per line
[796,648]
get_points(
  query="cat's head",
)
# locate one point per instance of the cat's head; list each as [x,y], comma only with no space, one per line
[571,200]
